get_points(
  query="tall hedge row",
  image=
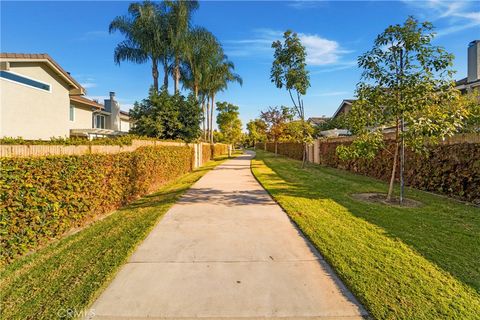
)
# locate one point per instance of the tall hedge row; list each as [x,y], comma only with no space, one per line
[219,149]
[452,170]
[206,152]
[42,198]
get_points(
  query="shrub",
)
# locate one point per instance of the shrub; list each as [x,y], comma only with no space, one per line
[75,141]
[219,149]
[42,198]
[206,152]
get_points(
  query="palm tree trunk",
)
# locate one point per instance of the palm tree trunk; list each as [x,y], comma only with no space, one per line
[211,117]
[207,119]
[165,75]
[155,74]
[176,73]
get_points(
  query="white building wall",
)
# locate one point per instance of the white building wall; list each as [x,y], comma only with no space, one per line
[32,113]
[124,126]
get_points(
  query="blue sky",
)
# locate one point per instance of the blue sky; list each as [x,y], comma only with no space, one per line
[76,35]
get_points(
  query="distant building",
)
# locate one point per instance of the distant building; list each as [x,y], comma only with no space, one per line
[344,108]
[315,121]
[472,81]
[40,100]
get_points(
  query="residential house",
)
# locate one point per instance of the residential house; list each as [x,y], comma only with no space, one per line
[344,108]
[40,100]
[315,121]
[472,80]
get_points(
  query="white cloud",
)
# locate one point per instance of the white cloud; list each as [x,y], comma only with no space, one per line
[302,4]
[320,51]
[459,15]
[87,85]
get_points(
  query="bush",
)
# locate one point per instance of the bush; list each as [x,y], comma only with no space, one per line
[206,152]
[124,140]
[219,149]
[42,198]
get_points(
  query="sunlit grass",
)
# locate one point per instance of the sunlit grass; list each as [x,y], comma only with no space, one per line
[402,263]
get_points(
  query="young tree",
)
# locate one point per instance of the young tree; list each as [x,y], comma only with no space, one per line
[294,131]
[229,123]
[276,119]
[289,71]
[257,131]
[406,83]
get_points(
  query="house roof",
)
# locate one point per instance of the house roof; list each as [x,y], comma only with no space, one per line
[43,57]
[317,120]
[342,105]
[86,101]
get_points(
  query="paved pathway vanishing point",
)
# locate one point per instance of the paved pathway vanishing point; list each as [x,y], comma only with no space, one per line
[226,250]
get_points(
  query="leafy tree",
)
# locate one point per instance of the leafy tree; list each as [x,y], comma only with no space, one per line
[407,84]
[339,122]
[289,71]
[294,131]
[229,123]
[167,117]
[257,131]
[276,119]
[144,29]
[471,101]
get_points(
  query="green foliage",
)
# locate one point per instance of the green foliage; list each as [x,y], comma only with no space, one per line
[339,122]
[229,123]
[471,101]
[257,131]
[276,119]
[294,131]
[289,67]
[364,146]
[168,117]
[71,272]
[41,198]
[401,263]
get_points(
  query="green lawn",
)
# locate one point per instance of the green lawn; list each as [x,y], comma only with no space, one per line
[70,273]
[402,263]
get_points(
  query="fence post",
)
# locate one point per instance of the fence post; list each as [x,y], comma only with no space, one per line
[316,151]
[229,150]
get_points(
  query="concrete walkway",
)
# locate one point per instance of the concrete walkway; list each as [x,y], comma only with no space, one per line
[226,250]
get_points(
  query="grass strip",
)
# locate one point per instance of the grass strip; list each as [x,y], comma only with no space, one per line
[402,263]
[70,273]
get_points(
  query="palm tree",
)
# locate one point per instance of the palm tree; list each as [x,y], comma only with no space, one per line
[202,46]
[179,17]
[220,74]
[145,31]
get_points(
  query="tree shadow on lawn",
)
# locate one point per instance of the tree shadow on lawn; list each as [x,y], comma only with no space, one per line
[443,231]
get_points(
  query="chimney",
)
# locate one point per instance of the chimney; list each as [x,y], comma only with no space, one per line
[112,106]
[473,61]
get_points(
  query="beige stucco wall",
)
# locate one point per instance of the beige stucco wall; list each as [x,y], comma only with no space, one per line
[83,118]
[124,126]
[36,114]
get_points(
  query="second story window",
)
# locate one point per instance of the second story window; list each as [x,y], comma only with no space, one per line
[72,113]
[13,77]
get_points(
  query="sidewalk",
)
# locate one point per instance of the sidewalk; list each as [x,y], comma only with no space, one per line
[226,250]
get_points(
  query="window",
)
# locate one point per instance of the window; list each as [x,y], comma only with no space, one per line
[24,80]
[72,113]
[99,121]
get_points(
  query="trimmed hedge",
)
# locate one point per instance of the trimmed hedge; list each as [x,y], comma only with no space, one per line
[206,152]
[292,150]
[452,170]
[42,198]
[219,149]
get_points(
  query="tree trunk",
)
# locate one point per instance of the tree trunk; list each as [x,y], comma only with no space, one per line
[276,148]
[211,118]
[176,73]
[207,119]
[304,156]
[394,167]
[203,118]
[155,74]
[165,74]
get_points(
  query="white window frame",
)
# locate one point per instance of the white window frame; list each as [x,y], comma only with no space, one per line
[26,85]
[95,121]
[70,113]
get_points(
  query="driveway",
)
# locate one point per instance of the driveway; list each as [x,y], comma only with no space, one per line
[226,250]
